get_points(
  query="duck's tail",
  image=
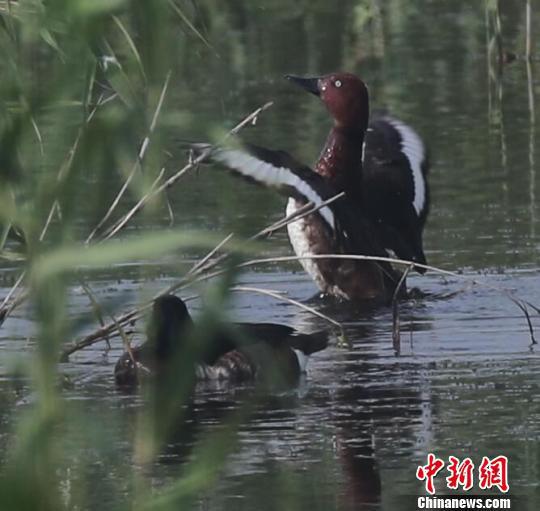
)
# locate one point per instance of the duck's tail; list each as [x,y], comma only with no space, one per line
[309,343]
[304,345]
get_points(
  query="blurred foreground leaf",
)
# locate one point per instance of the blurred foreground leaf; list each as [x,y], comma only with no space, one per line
[68,258]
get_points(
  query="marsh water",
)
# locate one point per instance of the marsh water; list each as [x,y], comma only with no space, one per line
[465,378]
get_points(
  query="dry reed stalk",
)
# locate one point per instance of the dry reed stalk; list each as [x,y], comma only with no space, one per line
[300,213]
[120,225]
[137,164]
[96,307]
[528,37]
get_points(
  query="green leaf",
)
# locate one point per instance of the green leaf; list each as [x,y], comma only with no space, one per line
[96,7]
[112,252]
[185,19]
[50,40]
[130,43]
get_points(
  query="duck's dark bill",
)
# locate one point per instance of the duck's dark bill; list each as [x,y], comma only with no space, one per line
[309,84]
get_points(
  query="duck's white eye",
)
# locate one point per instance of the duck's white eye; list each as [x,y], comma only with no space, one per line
[337,83]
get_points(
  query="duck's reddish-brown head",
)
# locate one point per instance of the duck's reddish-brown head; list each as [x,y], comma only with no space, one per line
[344,94]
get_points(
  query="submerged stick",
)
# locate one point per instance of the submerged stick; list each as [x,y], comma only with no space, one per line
[396,335]
[528,37]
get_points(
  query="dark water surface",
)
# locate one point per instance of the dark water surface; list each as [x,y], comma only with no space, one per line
[465,381]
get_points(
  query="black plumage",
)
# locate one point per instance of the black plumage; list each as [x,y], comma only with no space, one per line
[389,188]
[239,352]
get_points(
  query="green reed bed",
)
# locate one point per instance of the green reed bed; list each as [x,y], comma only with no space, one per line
[82,96]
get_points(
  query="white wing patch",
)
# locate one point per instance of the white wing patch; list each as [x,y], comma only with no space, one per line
[302,360]
[413,148]
[272,176]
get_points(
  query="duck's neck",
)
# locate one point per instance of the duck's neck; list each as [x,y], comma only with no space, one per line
[170,337]
[341,159]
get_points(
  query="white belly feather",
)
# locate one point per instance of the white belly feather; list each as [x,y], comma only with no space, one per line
[301,245]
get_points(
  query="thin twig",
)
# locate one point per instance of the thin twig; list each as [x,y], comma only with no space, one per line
[210,254]
[136,313]
[18,300]
[517,301]
[279,296]
[523,307]
[126,218]
[13,289]
[184,18]
[38,134]
[131,44]
[109,330]
[305,210]
[250,119]
[300,213]
[125,339]
[66,166]
[54,208]
[172,180]
[170,209]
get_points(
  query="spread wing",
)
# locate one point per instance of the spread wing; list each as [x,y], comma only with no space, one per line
[280,171]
